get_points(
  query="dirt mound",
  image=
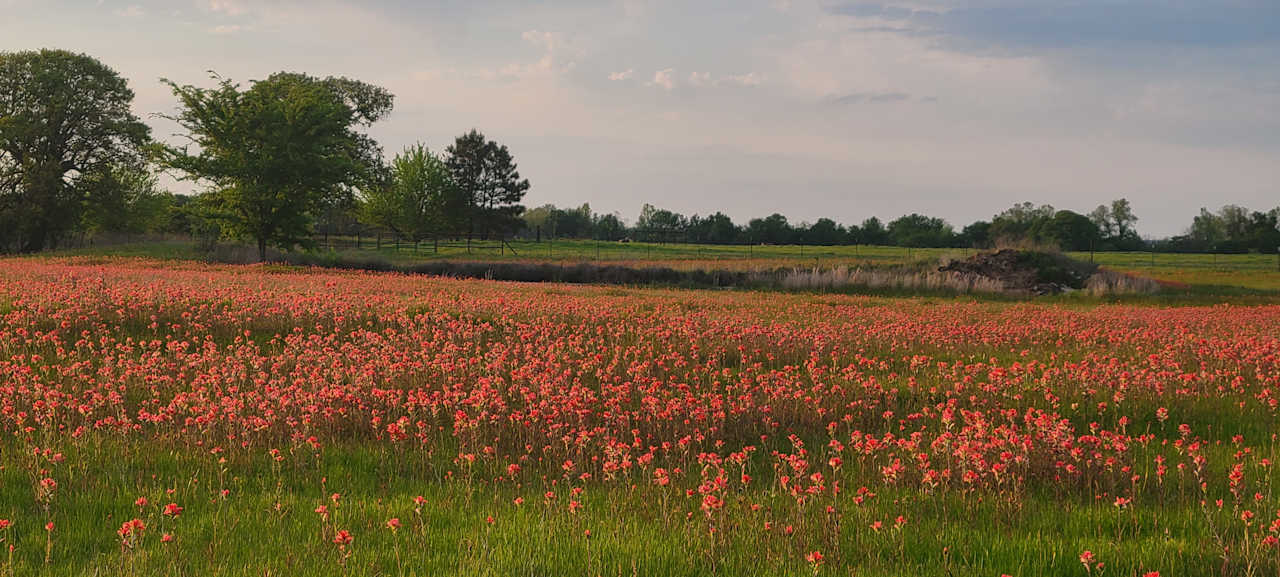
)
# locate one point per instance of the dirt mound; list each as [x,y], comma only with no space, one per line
[1023,271]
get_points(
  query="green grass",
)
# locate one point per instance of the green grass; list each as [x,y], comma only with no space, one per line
[267,525]
[1192,278]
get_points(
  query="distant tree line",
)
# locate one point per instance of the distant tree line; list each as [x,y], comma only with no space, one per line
[286,158]
[1107,227]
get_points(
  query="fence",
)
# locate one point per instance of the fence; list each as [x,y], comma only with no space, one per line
[395,243]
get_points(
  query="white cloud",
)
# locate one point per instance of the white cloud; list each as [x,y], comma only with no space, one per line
[226,29]
[624,75]
[551,60]
[131,11]
[664,78]
[228,7]
[748,79]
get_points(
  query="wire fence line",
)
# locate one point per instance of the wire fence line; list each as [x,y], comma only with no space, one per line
[673,248]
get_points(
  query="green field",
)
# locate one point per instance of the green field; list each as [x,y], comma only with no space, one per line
[1227,274]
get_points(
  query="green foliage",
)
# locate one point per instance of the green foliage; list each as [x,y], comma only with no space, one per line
[275,153]
[916,230]
[488,183]
[659,223]
[125,199]
[1232,229]
[772,229]
[420,198]
[610,227]
[715,229]
[65,125]
[872,231]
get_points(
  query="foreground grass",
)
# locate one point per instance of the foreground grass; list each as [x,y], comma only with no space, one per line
[266,524]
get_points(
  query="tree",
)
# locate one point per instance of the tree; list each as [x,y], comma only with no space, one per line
[977,234]
[1116,224]
[415,202]
[1235,223]
[488,182]
[124,199]
[64,119]
[275,153]
[1070,231]
[1101,217]
[610,227]
[1123,220]
[720,229]
[1021,222]
[825,232]
[873,232]
[917,230]
[1264,231]
[1206,230]
[572,223]
[660,223]
[772,229]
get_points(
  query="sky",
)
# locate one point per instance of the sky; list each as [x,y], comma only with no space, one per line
[835,108]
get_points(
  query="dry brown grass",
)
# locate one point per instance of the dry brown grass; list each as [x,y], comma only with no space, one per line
[1106,282]
[888,279]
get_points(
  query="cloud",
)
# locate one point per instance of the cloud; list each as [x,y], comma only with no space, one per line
[987,24]
[227,29]
[550,61]
[664,78]
[706,79]
[624,75]
[869,98]
[748,79]
[131,11]
[228,7]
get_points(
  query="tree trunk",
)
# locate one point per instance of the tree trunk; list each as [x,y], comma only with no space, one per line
[262,250]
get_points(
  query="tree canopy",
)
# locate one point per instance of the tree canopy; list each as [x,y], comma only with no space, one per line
[274,153]
[65,121]
[485,174]
[419,198]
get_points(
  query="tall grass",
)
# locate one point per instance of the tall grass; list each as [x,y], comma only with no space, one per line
[843,278]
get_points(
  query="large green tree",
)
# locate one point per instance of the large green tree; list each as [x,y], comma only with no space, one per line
[486,176]
[416,203]
[65,119]
[277,152]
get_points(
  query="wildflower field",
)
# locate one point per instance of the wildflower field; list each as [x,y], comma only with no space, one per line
[170,418]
